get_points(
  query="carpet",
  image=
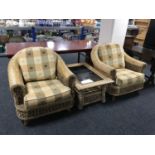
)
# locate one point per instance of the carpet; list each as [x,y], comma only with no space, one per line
[130,114]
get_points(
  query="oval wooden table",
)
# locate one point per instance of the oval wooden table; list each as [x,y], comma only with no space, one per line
[61,47]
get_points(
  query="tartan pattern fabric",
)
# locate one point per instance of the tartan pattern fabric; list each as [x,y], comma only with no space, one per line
[41,93]
[126,78]
[37,63]
[112,54]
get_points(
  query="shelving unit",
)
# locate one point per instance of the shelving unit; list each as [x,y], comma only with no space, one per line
[143,25]
[45,32]
[59,27]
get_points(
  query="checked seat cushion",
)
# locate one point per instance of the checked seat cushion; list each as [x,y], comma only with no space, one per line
[126,77]
[45,92]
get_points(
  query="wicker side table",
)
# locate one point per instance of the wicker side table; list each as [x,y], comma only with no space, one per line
[94,90]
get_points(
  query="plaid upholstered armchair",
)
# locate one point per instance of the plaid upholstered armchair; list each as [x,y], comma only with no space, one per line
[126,71]
[40,83]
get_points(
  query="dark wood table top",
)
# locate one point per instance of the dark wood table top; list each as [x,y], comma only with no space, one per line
[13,48]
[145,53]
[60,47]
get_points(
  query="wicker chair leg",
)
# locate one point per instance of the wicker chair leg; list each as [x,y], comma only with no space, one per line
[113,98]
[138,92]
[69,110]
[25,122]
[80,107]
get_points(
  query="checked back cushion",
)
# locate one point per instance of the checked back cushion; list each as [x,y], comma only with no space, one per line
[37,63]
[112,54]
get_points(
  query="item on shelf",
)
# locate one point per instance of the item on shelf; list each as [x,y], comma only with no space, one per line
[27,39]
[16,39]
[49,22]
[84,22]
[98,22]
[10,23]
[89,37]
[87,22]
[3,32]
[68,36]
[4,39]
[48,38]
[40,37]
[2,23]
[132,30]
[21,23]
[29,23]
[56,22]
[68,23]
[131,22]
[57,38]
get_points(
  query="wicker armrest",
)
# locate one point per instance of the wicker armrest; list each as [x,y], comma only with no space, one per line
[134,64]
[102,67]
[64,74]
[16,83]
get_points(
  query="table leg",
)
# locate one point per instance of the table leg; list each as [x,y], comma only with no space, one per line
[151,78]
[152,71]
[78,57]
[103,94]
[81,101]
[88,59]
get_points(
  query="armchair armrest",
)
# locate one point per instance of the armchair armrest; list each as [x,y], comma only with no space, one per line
[64,74]
[100,66]
[134,64]
[16,83]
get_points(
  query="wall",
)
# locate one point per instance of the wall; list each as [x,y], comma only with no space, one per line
[106,29]
[113,31]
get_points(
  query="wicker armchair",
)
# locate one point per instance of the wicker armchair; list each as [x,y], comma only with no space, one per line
[126,71]
[40,83]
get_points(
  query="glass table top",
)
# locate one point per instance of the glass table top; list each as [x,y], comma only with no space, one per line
[84,74]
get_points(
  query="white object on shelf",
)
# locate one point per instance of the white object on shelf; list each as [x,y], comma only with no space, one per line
[10,23]
[21,23]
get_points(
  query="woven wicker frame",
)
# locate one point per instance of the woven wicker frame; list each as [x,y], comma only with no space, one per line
[130,63]
[91,92]
[117,91]
[18,90]
[23,114]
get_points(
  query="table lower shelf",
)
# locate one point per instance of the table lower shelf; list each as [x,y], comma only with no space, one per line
[89,96]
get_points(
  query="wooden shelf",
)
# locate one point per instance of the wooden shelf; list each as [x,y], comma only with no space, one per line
[142,21]
[141,39]
[143,25]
